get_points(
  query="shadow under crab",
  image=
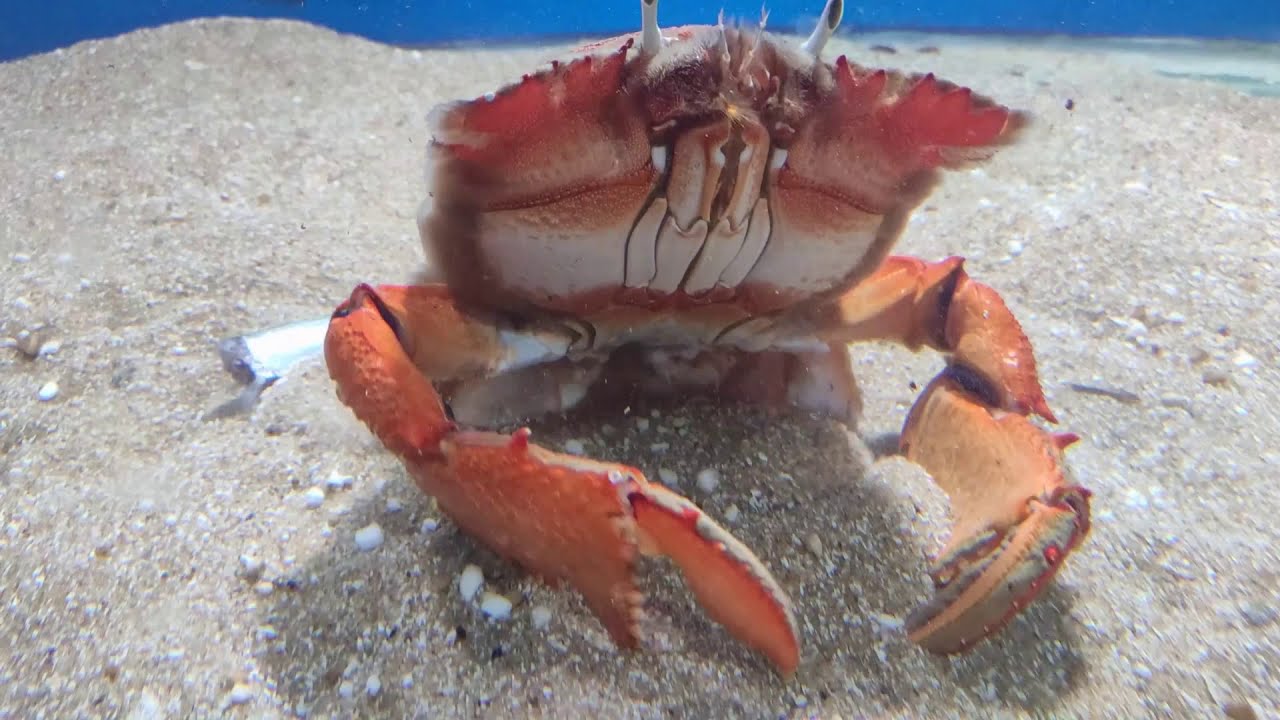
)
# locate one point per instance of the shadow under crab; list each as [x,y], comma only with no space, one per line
[396,614]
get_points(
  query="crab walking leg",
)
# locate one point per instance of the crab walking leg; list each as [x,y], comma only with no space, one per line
[559,516]
[1017,515]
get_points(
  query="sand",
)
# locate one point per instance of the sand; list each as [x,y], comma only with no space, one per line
[171,187]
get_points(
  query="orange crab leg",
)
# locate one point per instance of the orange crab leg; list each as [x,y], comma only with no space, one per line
[1017,515]
[560,516]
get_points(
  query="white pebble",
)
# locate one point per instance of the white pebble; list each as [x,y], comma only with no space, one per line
[394,506]
[251,566]
[732,515]
[60,175]
[1015,248]
[1243,359]
[430,525]
[369,537]
[240,694]
[540,616]
[887,623]
[470,581]
[373,686]
[264,588]
[708,480]
[48,391]
[668,477]
[813,543]
[1135,499]
[339,482]
[575,446]
[496,606]
[313,498]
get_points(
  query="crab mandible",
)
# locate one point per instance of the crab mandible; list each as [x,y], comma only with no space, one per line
[706,210]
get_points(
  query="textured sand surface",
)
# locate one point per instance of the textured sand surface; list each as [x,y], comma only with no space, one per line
[166,189]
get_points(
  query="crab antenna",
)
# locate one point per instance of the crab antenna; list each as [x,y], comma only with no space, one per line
[722,43]
[827,25]
[651,34]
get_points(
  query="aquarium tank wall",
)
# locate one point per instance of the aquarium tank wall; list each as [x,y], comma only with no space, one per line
[27,27]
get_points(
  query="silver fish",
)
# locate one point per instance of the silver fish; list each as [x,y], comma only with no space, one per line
[259,360]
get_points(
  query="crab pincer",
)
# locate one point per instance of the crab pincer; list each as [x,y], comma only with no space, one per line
[561,517]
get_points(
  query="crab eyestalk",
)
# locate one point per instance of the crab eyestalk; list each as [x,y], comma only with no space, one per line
[651,34]
[827,25]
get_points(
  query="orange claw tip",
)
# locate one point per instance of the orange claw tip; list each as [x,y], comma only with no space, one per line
[1040,407]
[1064,440]
[986,592]
[730,583]
[520,439]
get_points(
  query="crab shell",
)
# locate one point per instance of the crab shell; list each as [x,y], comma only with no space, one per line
[716,206]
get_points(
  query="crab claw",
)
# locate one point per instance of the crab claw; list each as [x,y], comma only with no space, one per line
[564,517]
[1016,515]
[560,516]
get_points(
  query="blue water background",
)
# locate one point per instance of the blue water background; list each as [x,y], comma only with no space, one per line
[30,27]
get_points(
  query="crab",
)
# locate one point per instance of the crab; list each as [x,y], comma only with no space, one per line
[707,210]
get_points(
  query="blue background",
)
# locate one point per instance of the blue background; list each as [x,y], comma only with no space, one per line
[28,26]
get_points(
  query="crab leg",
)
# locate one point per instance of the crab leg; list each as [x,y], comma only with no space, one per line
[1017,515]
[559,516]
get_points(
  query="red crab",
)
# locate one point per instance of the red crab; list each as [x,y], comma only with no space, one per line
[709,210]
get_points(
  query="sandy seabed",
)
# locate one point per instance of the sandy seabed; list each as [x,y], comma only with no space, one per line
[171,187]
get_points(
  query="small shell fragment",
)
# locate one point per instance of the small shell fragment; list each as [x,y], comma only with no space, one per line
[48,391]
